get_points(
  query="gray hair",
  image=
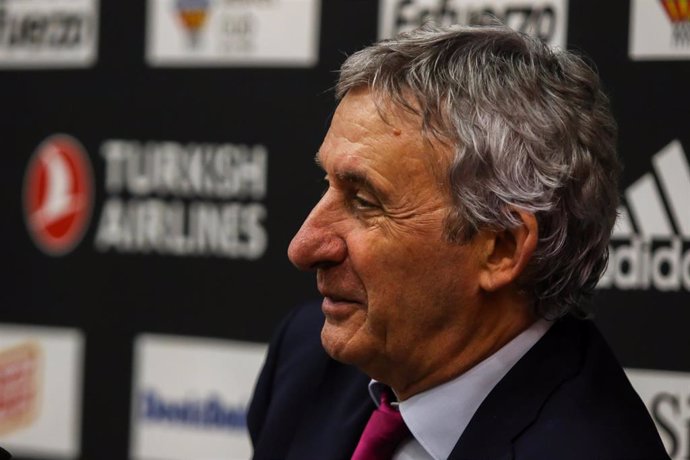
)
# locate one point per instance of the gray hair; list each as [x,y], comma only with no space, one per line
[531,129]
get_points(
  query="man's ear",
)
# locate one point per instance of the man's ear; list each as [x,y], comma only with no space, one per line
[507,252]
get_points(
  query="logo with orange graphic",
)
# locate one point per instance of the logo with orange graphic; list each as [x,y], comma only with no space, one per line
[193,15]
[20,381]
[58,194]
[678,11]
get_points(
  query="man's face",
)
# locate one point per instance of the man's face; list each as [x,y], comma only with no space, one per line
[395,291]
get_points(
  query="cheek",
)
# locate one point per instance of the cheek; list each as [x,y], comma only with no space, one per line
[402,277]
[388,266]
[389,272]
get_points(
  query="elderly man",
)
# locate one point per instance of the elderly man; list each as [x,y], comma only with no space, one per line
[472,188]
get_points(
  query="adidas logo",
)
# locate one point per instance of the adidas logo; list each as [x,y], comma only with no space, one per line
[650,244]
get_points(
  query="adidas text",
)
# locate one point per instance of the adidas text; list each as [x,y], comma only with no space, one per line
[644,264]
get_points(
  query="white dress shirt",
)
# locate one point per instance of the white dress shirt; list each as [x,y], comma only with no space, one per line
[437,417]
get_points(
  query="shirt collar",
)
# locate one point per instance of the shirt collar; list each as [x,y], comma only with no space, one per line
[437,417]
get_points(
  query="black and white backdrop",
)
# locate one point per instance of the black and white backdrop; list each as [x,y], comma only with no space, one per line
[158,157]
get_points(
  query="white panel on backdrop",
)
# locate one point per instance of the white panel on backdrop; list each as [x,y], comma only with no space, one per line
[40,391]
[48,33]
[667,396]
[659,29]
[546,19]
[190,33]
[190,398]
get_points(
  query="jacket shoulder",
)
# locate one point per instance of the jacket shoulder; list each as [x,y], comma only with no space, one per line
[595,413]
[566,398]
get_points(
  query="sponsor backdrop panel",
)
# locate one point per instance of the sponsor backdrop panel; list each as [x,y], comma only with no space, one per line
[667,395]
[159,156]
[190,397]
[48,33]
[40,390]
[278,32]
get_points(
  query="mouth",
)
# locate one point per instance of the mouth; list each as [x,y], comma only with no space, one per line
[336,298]
[336,294]
[342,296]
[337,307]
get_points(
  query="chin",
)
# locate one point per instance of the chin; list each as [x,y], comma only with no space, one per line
[344,344]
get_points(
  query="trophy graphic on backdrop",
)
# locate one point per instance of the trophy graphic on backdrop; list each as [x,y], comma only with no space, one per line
[192,14]
[678,11]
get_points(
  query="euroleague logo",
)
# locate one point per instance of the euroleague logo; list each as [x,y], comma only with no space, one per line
[58,194]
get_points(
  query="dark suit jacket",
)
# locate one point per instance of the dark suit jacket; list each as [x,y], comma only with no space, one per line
[567,398]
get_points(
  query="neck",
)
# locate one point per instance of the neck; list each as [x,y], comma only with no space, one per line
[455,350]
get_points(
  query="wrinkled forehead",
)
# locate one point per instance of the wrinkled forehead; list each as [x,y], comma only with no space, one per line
[401,116]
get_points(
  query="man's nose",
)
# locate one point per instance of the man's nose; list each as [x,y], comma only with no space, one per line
[318,244]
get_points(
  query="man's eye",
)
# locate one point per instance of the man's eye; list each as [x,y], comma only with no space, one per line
[362,203]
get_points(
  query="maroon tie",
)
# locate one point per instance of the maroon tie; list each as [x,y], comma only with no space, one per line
[383,433]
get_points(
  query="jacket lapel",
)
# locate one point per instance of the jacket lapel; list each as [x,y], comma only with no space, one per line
[516,400]
[334,420]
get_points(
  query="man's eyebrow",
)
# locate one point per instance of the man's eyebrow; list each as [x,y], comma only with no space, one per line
[361,181]
[355,178]
[352,177]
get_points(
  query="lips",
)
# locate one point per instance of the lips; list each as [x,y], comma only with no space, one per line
[338,294]
[336,305]
[337,298]
[339,308]
[340,299]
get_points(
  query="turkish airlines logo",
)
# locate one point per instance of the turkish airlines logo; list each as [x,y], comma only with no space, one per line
[58,194]
[650,244]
